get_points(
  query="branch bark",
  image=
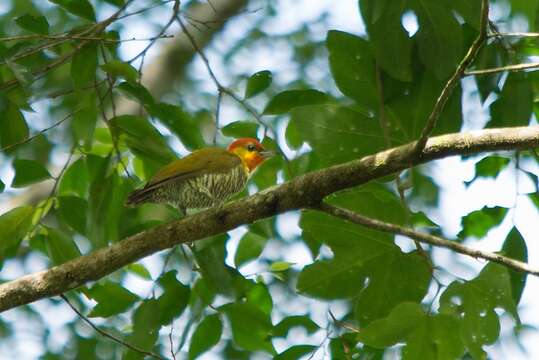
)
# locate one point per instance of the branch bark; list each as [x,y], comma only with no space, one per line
[302,192]
[425,238]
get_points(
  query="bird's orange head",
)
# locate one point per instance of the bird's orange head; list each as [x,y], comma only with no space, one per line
[250,151]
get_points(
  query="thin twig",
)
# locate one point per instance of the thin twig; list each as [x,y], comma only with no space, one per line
[426,238]
[108,335]
[78,37]
[217,115]
[164,29]
[171,341]
[516,67]
[62,171]
[454,80]
[143,10]
[515,34]
[227,91]
[342,323]
[113,134]
[41,132]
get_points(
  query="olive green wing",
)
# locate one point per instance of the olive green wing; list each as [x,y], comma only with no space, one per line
[198,163]
[208,160]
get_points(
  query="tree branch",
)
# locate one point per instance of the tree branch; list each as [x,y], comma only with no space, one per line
[425,238]
[454,79]
[303,192]
[108,335]
[513,68]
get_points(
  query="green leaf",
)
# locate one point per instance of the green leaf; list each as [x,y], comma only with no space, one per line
[474,302]
[146,326]
[174,299]
[117,3]
[490,56]
[179,123]
[73,212]
[75,180]
[342,276]
[210,256]
[392,49]
[14,225]
[111,298]
[366,266]
[420,219]
[295,352]
[373,200]
[394,328]
[257,83]
[393,278]
[84,120]
[249,248]
[81,8]
[279,266]
[28,172]
[84,65]
[490,166]
[136,91]
[411,104]
[250,326]
[515,247]
[117,68]
[2,186]
[139,270]
[352,66]
[289,322]
[13,125]
[478,223]
[259,296]
[143,139]
[439,38]
[206,335]
[337,134]
[107,194]
[469,10]
[514,106]
[436,337]
[239,129]
[34,23]
[285,101]
[61,247]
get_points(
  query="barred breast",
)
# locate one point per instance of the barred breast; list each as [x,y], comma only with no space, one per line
[202,191]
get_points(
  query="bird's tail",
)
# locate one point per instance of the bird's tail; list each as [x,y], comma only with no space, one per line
[139,196]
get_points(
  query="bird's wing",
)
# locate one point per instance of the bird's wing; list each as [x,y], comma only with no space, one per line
[203,161]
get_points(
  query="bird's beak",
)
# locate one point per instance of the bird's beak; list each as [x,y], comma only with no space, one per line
[266,154]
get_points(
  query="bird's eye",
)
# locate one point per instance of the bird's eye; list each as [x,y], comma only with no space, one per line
[251,147]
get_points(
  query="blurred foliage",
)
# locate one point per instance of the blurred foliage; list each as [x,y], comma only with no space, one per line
[63,70]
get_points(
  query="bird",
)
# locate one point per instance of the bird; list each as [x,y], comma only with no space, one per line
[207,177]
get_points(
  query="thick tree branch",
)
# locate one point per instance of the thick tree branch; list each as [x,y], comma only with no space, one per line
[425,238]
[454,79]
[302,192]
